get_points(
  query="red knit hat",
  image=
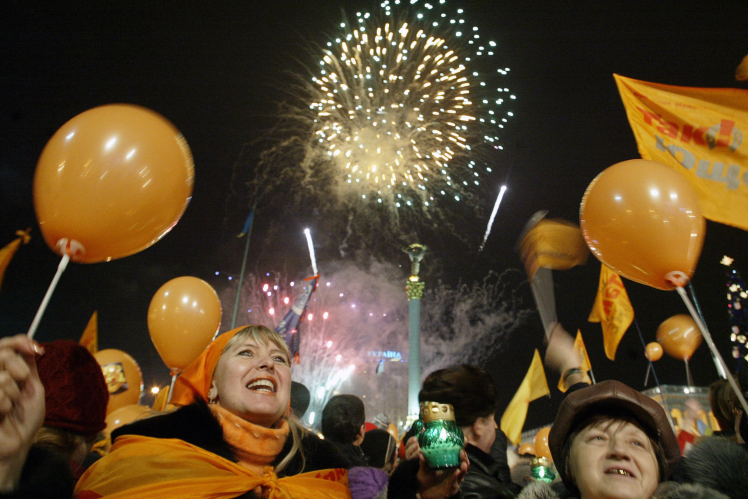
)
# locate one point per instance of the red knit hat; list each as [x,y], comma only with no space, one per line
[76,393]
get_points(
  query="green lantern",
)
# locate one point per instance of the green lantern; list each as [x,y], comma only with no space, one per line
[441,439]
[540,470]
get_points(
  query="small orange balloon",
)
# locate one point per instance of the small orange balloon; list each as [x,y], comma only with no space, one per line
[679,336]
[183,317]
[642,219]
[124,415]
[654,351]
[123,378]
[541,443]
[111,182]
[527,448]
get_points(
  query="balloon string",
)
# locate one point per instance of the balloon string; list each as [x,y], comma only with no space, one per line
[171,387]
[654,374]
[718,358]
[720,369]
[60,269]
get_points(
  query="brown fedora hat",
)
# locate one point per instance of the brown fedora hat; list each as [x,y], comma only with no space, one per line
[612,395]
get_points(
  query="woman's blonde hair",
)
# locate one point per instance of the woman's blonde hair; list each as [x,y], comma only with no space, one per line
[262,335]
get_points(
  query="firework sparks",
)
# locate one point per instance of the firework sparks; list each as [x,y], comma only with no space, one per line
[493,216]
[406,106]
[309,243]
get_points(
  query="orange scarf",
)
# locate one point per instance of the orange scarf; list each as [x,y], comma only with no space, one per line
[144,467]
[254,446]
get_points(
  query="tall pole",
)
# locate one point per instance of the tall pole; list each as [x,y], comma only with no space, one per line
[247,231]
[414,290]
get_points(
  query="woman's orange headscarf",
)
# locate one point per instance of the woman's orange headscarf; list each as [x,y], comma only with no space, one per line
[195,381]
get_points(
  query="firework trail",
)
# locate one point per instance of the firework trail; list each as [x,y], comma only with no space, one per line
[406,108]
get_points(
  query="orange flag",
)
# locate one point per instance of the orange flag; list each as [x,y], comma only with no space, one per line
[584,361]
[554,244]
[612,309]
[533,387]
[10,249]
[699,133]
[90,337]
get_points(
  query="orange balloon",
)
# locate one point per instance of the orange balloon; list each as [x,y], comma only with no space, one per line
[124,415]
[679,336]
[642,219]
[123,378]
[111,182]
[527,448]
[541,443]
[654,351]
[183,317]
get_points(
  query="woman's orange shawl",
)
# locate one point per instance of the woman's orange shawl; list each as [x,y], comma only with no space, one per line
[144,467]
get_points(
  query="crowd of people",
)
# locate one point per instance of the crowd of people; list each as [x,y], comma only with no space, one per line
[234,433]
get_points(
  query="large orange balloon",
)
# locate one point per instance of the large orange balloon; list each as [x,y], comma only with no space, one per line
[654,351]
[114,179]
[124,415]
[183,317]
[541,443]
[123,378]
[679,336]
[642,219]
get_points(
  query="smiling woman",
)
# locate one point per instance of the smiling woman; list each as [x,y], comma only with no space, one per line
[233,437]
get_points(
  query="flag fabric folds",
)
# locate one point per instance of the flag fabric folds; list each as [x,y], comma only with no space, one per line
[533,387]
[90,337]
[6,254]
[380,367]
[584,361]
[288,328]
[554,244]
[247,224]
[612,309]
[699,133]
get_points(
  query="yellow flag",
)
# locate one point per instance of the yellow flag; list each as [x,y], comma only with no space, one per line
[612,309]
[584,361]
[533,387]
[90,337]
[159,404]
[10,249]
[699,133]
[554,244]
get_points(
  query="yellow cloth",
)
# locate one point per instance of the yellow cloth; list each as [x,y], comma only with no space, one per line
[612,309]
[584,362]
[533,387]
[6,253]
[254,446]
[144,468]
[699,133]
[90,337]
[554,244]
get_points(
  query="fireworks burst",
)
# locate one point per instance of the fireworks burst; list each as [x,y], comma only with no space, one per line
[406,107]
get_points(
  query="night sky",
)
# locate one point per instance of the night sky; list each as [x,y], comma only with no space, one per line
[218,70]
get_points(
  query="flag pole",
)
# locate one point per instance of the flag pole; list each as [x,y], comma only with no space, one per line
[248,225]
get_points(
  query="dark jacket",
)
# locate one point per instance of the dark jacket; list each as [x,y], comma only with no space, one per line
[666,490]
[45,475]
[718,463]
[488,477]
[196,425]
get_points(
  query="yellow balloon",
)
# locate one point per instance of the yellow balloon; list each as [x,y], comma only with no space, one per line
[642,219]
[111,182]
[183,317]
[123,378]
[124,415]
[679,336]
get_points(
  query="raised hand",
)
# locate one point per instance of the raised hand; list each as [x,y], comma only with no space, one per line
[21,405]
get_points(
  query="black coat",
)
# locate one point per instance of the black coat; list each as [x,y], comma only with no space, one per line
[45,475]
[196,425]
[489,476]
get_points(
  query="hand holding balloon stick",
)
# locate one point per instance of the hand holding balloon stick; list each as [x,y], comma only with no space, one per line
[183,318]
[642,219]
[110,182]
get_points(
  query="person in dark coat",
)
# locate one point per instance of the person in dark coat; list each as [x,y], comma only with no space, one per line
[472,393]
[342,423]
